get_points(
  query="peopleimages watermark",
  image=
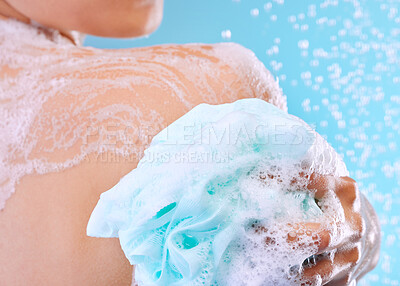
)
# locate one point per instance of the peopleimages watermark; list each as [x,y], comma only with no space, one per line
[274,134]
[119,134]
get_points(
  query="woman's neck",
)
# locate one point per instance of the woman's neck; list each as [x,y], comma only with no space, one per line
[7,11]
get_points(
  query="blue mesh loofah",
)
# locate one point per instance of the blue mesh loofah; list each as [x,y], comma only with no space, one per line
[178,212]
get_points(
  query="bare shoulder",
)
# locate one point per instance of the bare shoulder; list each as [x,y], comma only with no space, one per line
[116,100]
[192,73]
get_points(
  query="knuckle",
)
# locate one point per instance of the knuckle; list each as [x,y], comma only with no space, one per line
[348,190]
[355,255]
[358,225]
[321,184]
[323,239]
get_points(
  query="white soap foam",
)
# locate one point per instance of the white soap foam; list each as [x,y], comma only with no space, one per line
[56,110]
[262,254]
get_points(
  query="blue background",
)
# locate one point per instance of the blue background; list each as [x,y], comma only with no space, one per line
[338,62]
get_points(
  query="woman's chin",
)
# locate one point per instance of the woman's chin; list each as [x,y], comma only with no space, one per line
[126,28]
[122,21]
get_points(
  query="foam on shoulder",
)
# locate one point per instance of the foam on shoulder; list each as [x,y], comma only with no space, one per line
[61,107]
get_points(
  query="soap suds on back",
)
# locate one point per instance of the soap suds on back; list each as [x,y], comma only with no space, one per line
[63,99]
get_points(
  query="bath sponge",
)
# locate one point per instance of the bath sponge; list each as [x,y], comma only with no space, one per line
[209,189]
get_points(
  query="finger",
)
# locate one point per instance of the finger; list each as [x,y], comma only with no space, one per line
[321,184]
[344,187]
[346,190]
[349,196]
[334,268]
[306,235]
[301,233]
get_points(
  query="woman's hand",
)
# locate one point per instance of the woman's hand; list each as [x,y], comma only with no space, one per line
[349,247]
